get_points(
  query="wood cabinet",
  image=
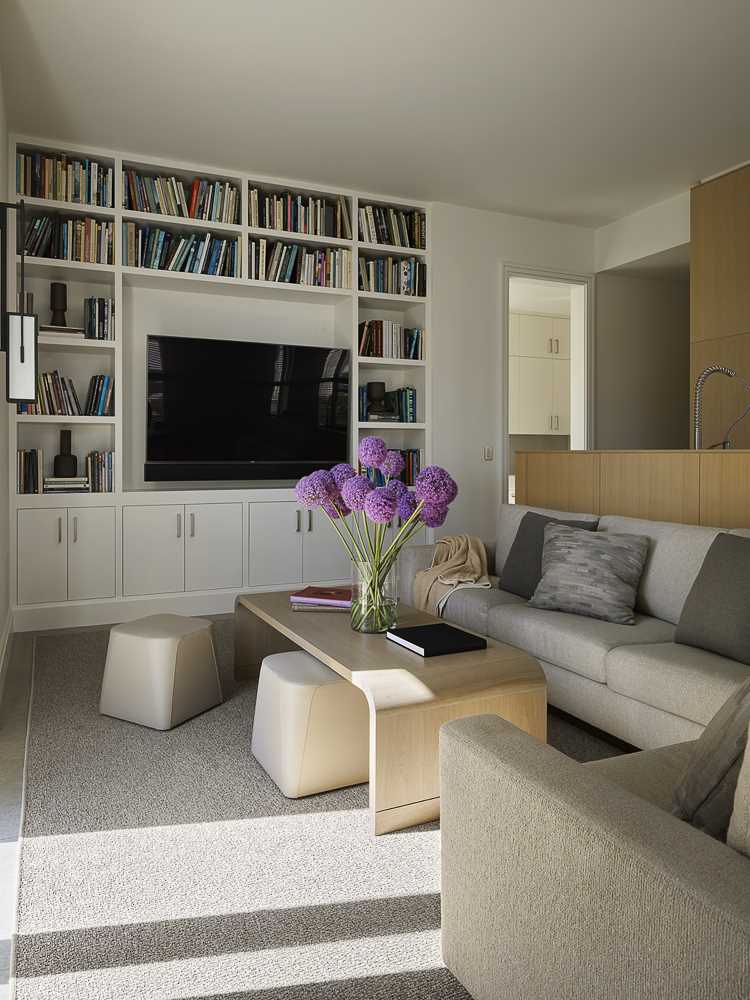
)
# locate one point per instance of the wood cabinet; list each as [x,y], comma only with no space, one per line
[91,553]
[42,556]
[153,549]
[213,546]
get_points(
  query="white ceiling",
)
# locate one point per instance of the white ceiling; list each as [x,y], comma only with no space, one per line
[578,111]
[530,295]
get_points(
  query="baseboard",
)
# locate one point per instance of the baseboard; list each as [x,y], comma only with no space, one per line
[5,644]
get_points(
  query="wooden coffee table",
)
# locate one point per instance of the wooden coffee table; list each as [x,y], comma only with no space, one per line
[409,697]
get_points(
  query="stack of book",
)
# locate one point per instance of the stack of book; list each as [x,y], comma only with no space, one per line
[400,406]
[86,182]
[395,226]
[74,332]
[322,599]
[55,396]
[66,484]
[213,201]
[100,397]
[393,275]
[382,338]
[99,318]
[194,253]
[29,470]
[293,264]
[100,471]
[299,213]
[88,241]
[413,460]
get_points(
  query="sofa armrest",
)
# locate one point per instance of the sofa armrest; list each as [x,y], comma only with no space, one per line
[418,557]
[556,882]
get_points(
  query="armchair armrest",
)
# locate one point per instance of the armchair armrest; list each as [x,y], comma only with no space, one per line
[557,882]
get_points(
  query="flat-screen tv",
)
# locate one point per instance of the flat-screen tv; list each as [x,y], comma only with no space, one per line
[229,409]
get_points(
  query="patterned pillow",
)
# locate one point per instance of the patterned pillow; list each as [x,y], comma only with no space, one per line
[595,574]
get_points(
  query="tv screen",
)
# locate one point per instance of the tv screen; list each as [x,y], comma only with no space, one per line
[227,409]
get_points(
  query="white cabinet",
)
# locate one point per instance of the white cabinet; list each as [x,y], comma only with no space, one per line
[275,544]
[535,393]
[42,556]
[91,553]
[536,336]
[539,376]
[153,549]
[560,397]
[213,546]
[323,554]
[561,337]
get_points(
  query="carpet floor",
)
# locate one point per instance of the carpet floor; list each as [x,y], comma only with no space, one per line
[168,866]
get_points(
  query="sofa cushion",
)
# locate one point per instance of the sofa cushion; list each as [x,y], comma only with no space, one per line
[594,574]
[570,641]
[683,680]
[738,835]
[675,556]
[650,774]
[510,517]
[704,795]
[523,567]
[715,615]
[469,607]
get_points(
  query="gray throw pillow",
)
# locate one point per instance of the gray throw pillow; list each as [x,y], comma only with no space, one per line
[716,614]
[595,574]
[523,567]
[704,795]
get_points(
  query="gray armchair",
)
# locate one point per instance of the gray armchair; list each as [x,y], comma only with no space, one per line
[573,882]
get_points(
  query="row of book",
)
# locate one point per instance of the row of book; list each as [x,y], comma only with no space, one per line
[212,201]
[397,226]
[89,241]
[393,275]
[30,476]
[57,396]
[99,318]
[399,406]
[299,213]
[290,263]
[413,459]
[382,338]
[57,177]
[193,253]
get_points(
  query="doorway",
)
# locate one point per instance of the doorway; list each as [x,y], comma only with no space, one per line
[548,365]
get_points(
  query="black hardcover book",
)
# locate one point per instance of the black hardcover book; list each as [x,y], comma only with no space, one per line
[436,640]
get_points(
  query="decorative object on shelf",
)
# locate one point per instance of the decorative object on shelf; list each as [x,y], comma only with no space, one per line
[19,331]
[58,302]
[378,406]
[65,464]
[362,515]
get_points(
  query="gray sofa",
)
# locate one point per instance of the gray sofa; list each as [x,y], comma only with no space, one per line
[573,882]
[632,681]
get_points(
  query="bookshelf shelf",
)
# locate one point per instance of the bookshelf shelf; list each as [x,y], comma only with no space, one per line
[383,299]
[41,206]
[285,236]
[43,418]
[388,425]
[378,249]
[68,270]
[59,342]
[300,290]
[180,222]
[391,362]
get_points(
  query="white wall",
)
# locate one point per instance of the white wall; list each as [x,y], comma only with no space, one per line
[642,362]
[642,234]
[4,410]
[468,247]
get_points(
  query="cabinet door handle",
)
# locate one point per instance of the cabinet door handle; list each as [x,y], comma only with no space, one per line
[309,520]
[550,346]
[299,521]
[75,528]
[550,422]
[192,525]
[557,346]
[557,423]
[59,531]
[179,525]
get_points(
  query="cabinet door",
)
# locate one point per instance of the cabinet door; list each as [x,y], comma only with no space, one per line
[275,544]
[561,337]
[153,549]
[514,335]
[514,396]
[91,553]
[535,390]
[213,546]
[42,556]
[535,336]
[561,397]
[324,557]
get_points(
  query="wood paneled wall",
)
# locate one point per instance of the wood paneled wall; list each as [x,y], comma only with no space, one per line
[692,487]
[720,299]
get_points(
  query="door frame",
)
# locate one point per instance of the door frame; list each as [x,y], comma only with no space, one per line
[507,271]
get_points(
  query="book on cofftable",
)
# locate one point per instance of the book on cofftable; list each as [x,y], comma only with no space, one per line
[436,640]
[327,608]
[335,597]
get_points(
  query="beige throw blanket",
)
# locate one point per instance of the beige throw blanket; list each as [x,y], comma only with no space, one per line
[459,561]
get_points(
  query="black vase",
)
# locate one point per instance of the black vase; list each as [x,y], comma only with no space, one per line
[58,295]
[65,465]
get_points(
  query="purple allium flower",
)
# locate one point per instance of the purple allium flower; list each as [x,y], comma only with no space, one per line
[434,514]
[435,486]
[335,508]
[380,505]
[355,491]
[407,503]
[372,452]
[341,473]
[393,464]
[396,487]
[312,490]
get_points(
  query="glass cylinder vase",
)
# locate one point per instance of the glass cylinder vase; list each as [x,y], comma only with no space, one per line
[374,597]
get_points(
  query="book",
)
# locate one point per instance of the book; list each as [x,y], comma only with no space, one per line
[210,200]
[87,241]
[61,178]
[64,331]
[199,253]
[337,597]
[295,212]
[294,264]
[393,275]
[439,639]
[29,470]
[395,226]
[382,338]
[319,607]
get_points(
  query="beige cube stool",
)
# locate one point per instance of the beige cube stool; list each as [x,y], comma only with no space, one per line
[311,728]
[160,671]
